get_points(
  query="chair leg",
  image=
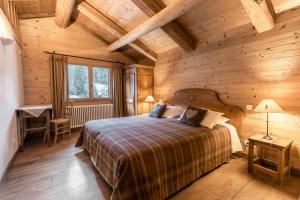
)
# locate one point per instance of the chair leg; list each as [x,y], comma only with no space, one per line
[45,135]
[55,133]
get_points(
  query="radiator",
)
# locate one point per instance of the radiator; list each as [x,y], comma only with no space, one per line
[84,113]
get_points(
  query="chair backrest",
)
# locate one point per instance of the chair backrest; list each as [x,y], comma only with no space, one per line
[68,109]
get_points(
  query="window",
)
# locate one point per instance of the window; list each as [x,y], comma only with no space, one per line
[78,81]
[101,82]
[88,82]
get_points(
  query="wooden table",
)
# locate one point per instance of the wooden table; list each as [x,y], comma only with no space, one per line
[283,164]
[33,111]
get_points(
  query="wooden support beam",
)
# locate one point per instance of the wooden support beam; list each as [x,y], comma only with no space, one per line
[103,21]
[166,15]
[261,14]
[283,5]
[172,29]
[63,13]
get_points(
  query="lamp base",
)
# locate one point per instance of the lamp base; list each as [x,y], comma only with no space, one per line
[268,137]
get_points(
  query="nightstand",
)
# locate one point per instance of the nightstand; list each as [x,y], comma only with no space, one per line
[276,169]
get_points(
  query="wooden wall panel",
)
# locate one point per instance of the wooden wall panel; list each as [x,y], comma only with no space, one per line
[35,8]
[244,67]
[44,35]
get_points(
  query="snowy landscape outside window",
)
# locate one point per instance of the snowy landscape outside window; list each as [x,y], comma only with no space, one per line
[87,82]
[78,81]
[101,82]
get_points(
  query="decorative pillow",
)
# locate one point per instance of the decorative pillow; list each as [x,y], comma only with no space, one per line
[158,110]
[173,111]
[210,119]
[192,116]
[222,120]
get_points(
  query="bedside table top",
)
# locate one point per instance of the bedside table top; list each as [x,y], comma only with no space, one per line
[278,142]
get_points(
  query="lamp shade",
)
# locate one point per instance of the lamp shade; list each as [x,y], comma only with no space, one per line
[268,106]
[150,99]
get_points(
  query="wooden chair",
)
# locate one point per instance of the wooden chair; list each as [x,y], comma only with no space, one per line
[61,126]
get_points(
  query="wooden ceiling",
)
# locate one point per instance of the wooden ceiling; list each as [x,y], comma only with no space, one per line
[206,22]
[127,15]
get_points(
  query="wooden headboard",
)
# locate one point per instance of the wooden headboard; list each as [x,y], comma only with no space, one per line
[208,99]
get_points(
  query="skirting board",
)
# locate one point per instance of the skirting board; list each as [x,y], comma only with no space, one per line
[8,166]
[294,171]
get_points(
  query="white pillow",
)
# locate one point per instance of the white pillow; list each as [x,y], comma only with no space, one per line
[211,118]
[173,111]
[222,120]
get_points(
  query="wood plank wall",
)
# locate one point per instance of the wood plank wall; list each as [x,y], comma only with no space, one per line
[11,13]
[244,67]
[42,34]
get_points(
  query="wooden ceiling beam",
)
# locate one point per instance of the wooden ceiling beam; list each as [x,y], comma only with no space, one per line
[172,29]
[63,12]
[261,14]
[166,15]
[103,21]
[283,5]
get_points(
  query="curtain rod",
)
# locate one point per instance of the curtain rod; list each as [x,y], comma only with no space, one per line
[47,52]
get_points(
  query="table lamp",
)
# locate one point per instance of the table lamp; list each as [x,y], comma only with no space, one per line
[268,106]
[150,100]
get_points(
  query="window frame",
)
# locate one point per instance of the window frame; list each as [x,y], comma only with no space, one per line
[90,65]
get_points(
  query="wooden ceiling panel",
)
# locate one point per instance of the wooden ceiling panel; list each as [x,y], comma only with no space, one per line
[124,12]
[133,53]
[209,21]
[95,28]
[172,29]
[105,35]
[102,20]
[158,41]
[127,15]
[213,17]
[35,8]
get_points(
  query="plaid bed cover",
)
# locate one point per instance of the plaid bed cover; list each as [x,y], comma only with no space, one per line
[148,158]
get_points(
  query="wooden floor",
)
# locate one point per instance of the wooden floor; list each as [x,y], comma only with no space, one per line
[65,172]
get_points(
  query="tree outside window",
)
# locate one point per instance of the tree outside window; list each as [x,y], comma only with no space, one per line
[85,82]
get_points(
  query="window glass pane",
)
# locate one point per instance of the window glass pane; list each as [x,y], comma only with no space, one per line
[101,82]
[78,81]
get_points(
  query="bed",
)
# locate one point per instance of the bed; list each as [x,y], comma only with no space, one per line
[152,158]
